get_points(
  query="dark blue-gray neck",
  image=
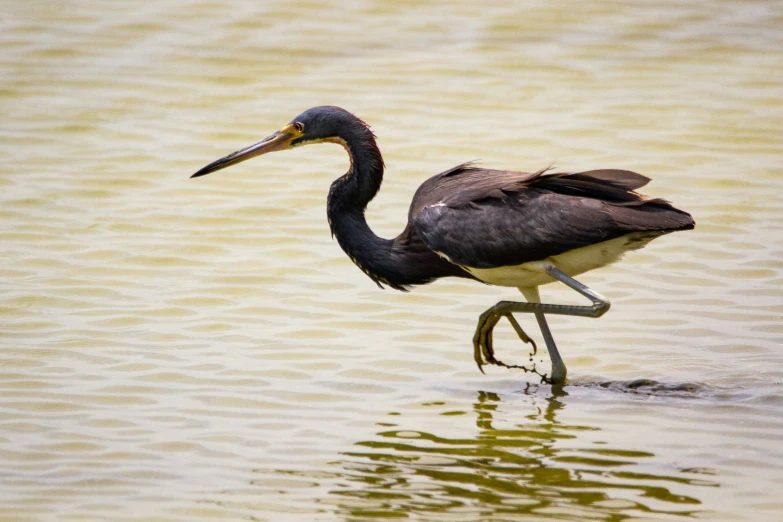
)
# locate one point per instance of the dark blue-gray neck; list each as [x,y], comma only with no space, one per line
[399,263]
[347,201]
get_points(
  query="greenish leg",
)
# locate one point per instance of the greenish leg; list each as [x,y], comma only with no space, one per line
[482,340]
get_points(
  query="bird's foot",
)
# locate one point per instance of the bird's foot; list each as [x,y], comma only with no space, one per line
[483,351]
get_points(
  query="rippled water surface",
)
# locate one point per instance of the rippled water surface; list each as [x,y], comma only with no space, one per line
[178,350]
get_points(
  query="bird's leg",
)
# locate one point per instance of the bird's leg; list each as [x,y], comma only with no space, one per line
[490,317]
[559,371]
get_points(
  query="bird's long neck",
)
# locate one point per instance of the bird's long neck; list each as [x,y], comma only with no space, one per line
[348,199]
[399,263]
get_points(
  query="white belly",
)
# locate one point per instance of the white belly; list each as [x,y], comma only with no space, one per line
[573,262]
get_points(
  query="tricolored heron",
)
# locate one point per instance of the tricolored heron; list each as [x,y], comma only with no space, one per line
[500,227]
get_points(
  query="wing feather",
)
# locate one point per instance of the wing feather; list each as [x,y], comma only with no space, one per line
[484,219]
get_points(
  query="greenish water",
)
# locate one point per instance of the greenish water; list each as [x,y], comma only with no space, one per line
[176,349]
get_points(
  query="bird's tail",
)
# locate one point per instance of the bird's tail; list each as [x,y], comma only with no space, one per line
[617,188]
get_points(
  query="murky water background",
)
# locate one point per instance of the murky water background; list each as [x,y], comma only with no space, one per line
[176,349]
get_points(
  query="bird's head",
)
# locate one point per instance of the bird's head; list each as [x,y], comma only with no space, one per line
[316,125]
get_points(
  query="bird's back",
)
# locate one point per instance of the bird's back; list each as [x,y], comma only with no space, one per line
[486,218]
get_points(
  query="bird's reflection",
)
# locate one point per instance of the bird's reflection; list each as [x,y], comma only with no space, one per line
[504,470]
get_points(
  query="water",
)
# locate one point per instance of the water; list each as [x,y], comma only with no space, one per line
[175,349]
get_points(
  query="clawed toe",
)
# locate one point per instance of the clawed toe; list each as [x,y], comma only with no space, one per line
[483,351]
[521,333]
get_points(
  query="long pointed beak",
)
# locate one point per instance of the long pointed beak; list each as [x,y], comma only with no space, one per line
[278,141]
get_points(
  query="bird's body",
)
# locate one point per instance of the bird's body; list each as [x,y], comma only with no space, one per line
[503,228]
[581,221]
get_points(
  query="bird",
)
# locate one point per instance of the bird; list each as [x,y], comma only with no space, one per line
[499,227]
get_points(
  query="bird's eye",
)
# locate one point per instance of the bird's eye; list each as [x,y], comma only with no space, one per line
[298,126]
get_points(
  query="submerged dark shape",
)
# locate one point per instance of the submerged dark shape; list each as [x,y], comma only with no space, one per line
[505,228]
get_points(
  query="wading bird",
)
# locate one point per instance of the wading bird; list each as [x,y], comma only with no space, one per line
[500,227]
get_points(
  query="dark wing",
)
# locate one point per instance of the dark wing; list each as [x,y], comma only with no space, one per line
[486,218]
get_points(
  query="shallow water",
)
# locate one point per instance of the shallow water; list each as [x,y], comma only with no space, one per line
[175,349]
